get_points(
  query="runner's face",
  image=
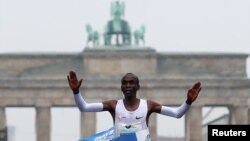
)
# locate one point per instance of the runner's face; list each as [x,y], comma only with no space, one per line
[129,85]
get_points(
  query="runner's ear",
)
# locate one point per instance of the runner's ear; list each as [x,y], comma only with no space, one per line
[138,86]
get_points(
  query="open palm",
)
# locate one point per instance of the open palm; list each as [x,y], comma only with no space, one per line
[74,84]
[193,92]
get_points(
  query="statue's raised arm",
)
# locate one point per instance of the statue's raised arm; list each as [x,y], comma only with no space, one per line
[117,9]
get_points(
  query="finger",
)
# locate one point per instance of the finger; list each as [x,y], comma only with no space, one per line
[199,90]
[80,81]
[68,79]
[197,85]
[72,75]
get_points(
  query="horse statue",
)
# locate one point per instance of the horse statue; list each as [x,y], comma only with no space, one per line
[117,26]
[93,36]
[139,35]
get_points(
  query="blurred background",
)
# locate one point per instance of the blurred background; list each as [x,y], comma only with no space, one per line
[58,26]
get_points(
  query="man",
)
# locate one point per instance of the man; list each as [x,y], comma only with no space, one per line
[131,114]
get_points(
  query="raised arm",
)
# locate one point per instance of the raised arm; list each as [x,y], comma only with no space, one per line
[177,112]
[193,92]
[82,105]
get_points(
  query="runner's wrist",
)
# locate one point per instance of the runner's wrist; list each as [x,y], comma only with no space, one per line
[75,92]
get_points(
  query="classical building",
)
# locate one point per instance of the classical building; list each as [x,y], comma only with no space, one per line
[39,81]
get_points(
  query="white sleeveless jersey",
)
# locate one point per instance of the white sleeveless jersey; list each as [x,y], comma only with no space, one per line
[130,121]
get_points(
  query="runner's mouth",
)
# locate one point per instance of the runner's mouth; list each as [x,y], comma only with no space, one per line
[128,91]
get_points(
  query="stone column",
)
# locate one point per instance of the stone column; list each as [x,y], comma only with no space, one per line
[152,127]
[193,125]
[43,123]
[2,121]
[2,118]
[248,116]
[238,115]
[88,124]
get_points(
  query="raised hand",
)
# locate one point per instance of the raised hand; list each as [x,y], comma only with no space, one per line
[193,92]
[74,84]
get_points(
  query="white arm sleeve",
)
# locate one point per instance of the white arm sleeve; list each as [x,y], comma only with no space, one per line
[175,112]
[87,107]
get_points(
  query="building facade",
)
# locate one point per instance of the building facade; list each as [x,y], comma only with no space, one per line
[39,80]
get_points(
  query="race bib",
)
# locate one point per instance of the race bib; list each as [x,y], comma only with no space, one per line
[108,135]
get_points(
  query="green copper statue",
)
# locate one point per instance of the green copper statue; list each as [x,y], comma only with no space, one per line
[117,26]
[139,35]
[93,36]
[117,31]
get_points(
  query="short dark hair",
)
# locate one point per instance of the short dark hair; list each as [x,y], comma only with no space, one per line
[136,77]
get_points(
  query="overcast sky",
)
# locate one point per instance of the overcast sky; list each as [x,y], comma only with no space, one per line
[58,26]
[171,25]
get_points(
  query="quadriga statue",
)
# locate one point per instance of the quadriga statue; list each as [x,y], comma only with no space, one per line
[117,27]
